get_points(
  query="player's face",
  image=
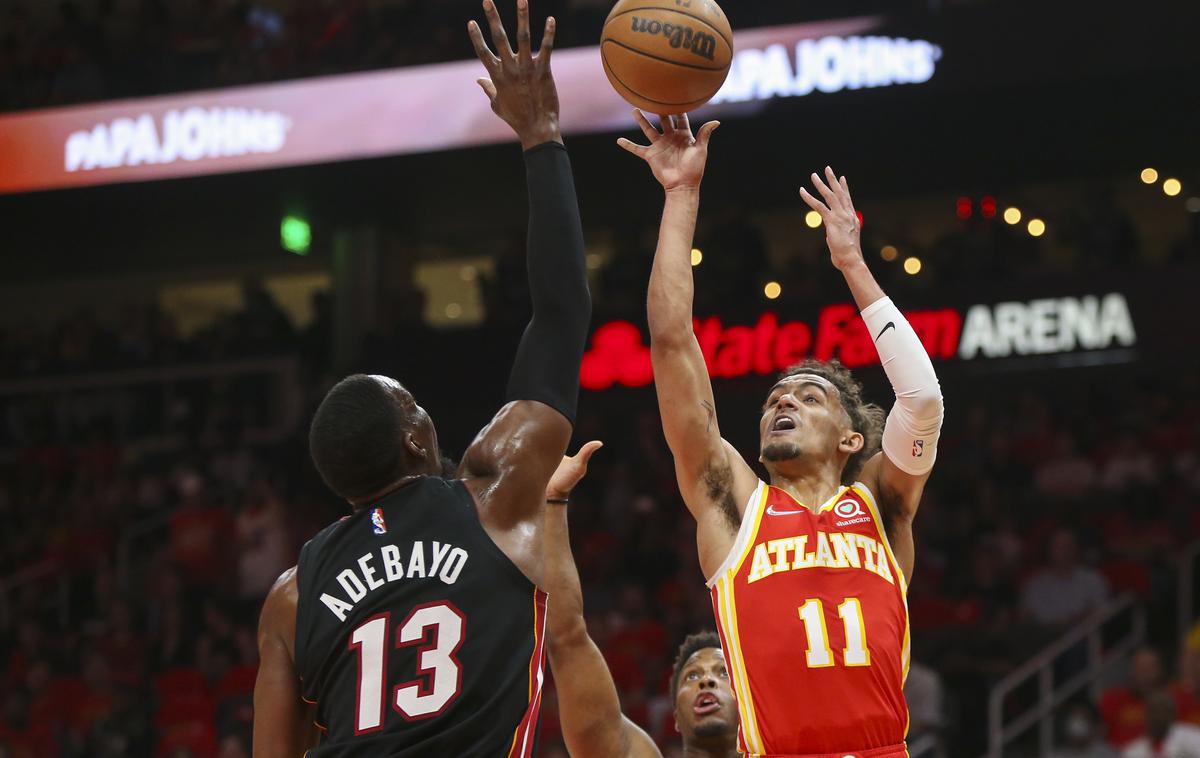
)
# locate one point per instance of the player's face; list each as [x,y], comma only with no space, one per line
[704,705]
[802,416]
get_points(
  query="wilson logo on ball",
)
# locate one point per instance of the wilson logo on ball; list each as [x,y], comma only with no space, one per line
[679,36]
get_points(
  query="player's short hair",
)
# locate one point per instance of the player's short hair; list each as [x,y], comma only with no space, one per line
[865,418]
[691,645]
[355,437]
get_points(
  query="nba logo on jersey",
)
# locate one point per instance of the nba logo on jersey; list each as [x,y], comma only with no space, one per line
[377,521]
[918,448]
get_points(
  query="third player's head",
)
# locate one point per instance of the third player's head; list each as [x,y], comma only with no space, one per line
[705,709]
[368,435]
[815,417]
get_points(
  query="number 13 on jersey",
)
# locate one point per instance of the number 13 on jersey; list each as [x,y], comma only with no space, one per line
[438,631]
[812,613]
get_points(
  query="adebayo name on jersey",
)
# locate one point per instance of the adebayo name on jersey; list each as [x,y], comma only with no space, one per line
[435,560]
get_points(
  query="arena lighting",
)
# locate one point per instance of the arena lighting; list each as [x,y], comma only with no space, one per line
[618,353]
[295,235]
[1192,204]
[912,265]
[453,310]
[697,256]
[964,208]
[468,273]
[1036,227]
[987,207]
[1012,216]
[1149,176]
[594,261]
[772,290]
[1172,187]
[889,253]
[813,219]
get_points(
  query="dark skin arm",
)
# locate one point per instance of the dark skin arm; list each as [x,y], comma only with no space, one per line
[283,722]
[588,706]
[507,466]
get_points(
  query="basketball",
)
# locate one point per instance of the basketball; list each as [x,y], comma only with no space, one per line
[667,56]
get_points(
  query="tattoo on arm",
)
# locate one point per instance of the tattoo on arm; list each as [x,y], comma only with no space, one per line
[712,413]
[718,484]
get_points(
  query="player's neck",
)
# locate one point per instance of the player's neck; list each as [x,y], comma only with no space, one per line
[809,487]
[357,504]
[723,750]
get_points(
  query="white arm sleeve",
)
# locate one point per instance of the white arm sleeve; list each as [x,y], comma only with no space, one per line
[915,421]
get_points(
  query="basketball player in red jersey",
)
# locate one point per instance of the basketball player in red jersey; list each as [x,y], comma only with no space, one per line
[588,707]
[807,572]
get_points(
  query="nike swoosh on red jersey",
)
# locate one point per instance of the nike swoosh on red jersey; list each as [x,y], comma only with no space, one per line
[772,512]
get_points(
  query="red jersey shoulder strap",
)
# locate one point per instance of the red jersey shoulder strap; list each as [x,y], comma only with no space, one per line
[746,533]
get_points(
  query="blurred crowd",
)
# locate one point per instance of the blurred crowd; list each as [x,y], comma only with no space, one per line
[1046,504]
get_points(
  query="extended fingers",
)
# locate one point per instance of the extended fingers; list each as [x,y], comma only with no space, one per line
[632,147]
[839,191]
[547,41]
[706,132]
[846,190]
[813,203]
[524,45]
[585,452]
[647,128]
[826,193]
[499,36]
[484,53]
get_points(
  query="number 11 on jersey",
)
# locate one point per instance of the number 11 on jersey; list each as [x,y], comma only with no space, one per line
[812,613]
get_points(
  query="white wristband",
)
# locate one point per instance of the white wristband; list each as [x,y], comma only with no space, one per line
[915,421]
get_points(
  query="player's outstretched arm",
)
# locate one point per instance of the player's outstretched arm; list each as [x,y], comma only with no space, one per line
[713,478]
[283,724]
[588,707]
[899,473]
[510,461]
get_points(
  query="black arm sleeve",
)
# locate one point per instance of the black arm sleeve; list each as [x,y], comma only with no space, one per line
[546,368]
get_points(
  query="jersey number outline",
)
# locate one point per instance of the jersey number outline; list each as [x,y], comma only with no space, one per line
[819,655]
[437,629]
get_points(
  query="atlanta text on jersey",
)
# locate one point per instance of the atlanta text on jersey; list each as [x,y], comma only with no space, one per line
[832,550]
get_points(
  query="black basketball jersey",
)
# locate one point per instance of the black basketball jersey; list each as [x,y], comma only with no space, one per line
[416,635]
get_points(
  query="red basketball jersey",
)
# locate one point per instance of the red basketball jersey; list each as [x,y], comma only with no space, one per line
[811,609]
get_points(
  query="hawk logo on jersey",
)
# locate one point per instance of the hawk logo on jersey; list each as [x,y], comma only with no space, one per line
[377,522]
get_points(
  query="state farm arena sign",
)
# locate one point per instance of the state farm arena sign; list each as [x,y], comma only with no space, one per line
[620,356]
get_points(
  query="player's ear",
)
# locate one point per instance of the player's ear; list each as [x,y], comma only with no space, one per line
[414,447]
[851,442]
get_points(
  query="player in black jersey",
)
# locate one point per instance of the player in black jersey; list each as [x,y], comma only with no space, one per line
[415,626]
[588,706]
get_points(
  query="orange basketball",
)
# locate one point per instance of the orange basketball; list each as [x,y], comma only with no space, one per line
[667,56]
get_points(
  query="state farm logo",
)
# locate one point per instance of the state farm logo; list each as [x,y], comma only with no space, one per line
[619,356]
[191,135]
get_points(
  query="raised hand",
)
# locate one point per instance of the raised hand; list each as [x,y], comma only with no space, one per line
[675,156]
[571,471]
[519,84]
[842,228]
